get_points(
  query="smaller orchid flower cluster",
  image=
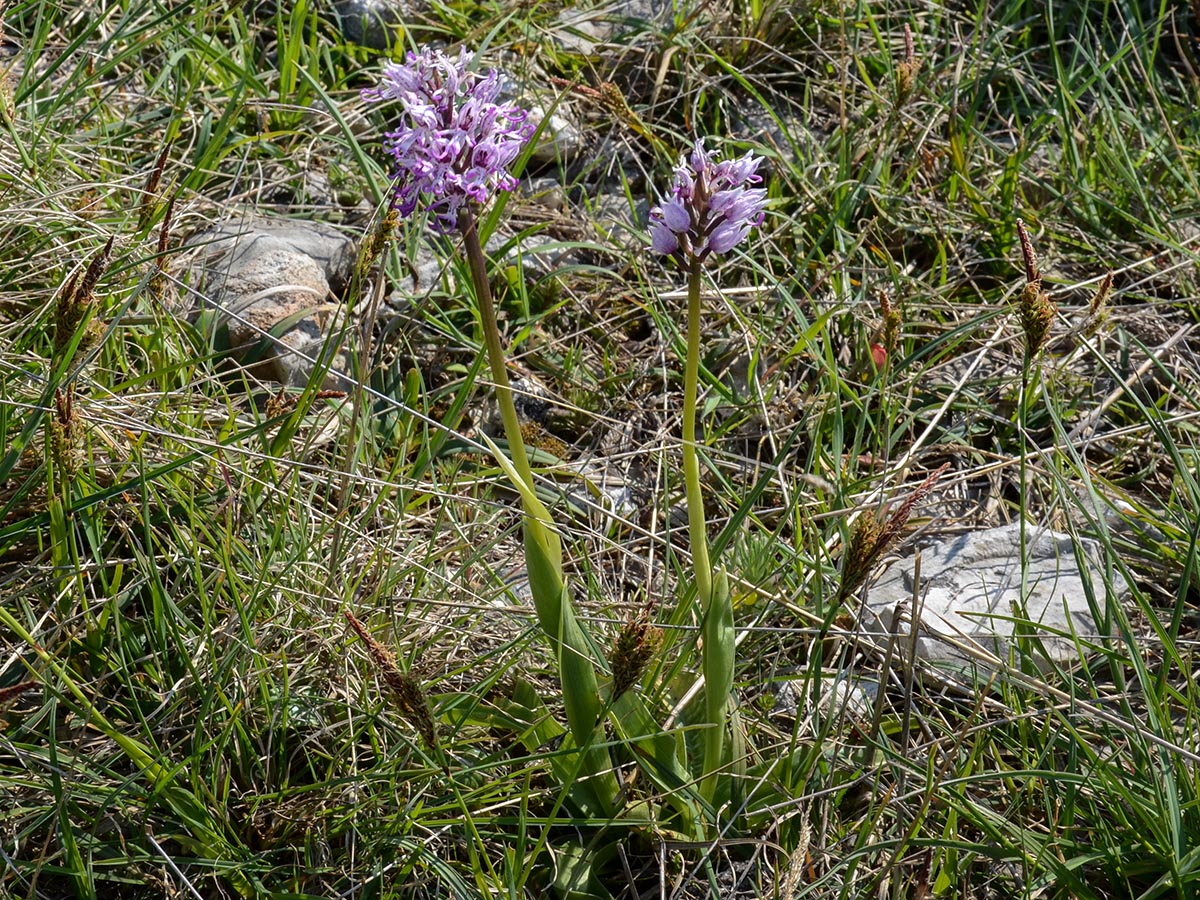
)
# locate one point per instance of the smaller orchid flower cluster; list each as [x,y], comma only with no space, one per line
[454,142]
[711,206]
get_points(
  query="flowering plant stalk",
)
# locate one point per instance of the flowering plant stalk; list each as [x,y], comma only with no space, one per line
[710,209]
[453,148]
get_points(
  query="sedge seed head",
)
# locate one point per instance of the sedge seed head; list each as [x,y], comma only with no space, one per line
[406,688]
[637,643]
[1037,312]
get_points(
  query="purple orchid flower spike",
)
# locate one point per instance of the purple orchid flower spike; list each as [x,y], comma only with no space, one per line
[454,143]
[710,208]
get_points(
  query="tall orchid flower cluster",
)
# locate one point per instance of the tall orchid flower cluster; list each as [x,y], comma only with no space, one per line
[453,148]
[711,206]
[454,142]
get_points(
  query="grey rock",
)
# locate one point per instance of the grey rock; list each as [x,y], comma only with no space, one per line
[266,277]
[427,270]
[517,587]
[583,30]
[971,591]
[373,23]
[547,193]
[561,140]
[533,400]
[848,695]
[603,495]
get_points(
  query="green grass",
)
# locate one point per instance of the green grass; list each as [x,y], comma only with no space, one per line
[173,578]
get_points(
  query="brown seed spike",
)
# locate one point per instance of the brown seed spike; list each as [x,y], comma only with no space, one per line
[65,404]
[380,655]
[859,554]
[897,520]
[889,332]
[150,191]
[66,432]
[164,232]
[1102,293]
[373,248]
[91,275]
[66,297]
[281,403]
[907,68]
[632,651]
[874,536]
[1031,272]
[409,695]
[1098,308]
[1037,316]
[156,172]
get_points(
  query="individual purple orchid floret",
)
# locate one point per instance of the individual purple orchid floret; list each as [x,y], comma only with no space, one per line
[710,208]
[454,143]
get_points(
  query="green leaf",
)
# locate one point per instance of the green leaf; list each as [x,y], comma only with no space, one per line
[574,875]
[662,756]
[720,649]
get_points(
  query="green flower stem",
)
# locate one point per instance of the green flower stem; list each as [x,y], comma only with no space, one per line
[697,529]
[543,558]
[716,606]
[720,647]
[495,351]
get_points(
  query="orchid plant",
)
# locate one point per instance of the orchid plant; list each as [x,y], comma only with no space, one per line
[453,148]
[710,209]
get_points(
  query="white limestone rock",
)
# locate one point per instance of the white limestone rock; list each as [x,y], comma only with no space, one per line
[972,590]
[272,284]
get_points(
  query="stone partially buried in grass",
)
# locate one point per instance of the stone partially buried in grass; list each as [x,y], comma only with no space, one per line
[587,28]
[272,285]
[373,23]
[971,594]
